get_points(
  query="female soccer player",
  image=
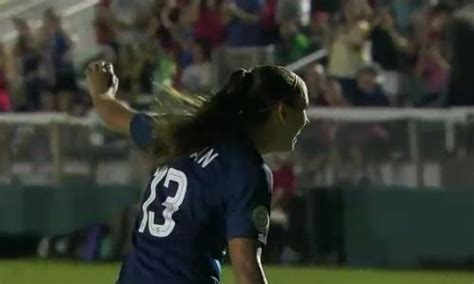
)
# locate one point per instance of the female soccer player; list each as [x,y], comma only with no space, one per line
[211,188]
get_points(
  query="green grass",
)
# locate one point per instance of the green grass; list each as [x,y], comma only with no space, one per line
[52,272]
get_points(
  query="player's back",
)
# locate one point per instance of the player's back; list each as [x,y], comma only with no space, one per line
[191,208]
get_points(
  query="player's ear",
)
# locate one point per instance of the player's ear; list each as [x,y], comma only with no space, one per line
[282,112]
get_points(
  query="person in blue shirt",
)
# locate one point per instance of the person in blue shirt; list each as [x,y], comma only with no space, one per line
[244,26]
[211,190]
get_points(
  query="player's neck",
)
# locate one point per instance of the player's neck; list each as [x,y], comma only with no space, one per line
[260,141]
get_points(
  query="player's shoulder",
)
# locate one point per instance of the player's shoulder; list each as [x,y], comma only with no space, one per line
[240,155]
[141,129]
[243,161]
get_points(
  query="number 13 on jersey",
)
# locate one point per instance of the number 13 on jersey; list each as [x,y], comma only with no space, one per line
[171,204]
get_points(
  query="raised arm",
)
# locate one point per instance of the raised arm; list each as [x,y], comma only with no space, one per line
[243,15]
[103,84]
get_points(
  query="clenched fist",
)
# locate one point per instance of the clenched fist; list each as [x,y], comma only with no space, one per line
[101,79]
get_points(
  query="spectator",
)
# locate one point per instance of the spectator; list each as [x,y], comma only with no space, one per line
[388,47]
[5,104]
[319,30]
[182,34]
[296,11]
[130,65]
[438,18]
[430,25]
[128,12]
[387,42]
[58,49]
[166,15]
[105,24]
[461,55]
[284,190]
[434,71]
[134,20]
[325,130]
[28,60]
[197,76]
[6,130]
[293,44]
[367,91]
[315,78]
[268,23]
[171,25]
[432,66]
[244,29]
[163,66]
[349,48]
[333,95]
[284,182]
[403,12]
[209,21]
[5,155]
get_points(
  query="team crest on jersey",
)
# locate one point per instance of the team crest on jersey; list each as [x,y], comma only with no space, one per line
[261,219]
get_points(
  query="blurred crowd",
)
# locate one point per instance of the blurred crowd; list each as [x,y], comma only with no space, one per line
[38,68]
[381,53]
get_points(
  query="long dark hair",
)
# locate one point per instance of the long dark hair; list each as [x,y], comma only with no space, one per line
[242,104]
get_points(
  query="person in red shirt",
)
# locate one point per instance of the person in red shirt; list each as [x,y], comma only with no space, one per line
[284,190]
[5,104]
[5,140]
[209,21]
[105,23]
[284,183]
[268,22]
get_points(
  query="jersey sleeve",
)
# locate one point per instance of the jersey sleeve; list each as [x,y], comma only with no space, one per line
[141,130]
[247,209]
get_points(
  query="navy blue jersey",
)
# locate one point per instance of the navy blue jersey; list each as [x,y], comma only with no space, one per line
[190,210]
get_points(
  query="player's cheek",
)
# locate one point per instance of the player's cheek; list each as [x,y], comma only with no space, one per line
[300,122]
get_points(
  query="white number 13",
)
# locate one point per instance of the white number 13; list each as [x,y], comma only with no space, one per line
[171,204]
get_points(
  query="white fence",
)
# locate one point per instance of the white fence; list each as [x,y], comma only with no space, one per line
[409,147]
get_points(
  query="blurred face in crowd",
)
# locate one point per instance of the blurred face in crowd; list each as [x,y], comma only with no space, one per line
[52,25]
[200,52]
[439,21]
[333,93]
[355,10]
[386,18]
[319,23]
[367,81]
[22,27]
[288,29]
[315,82]
[210,4]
